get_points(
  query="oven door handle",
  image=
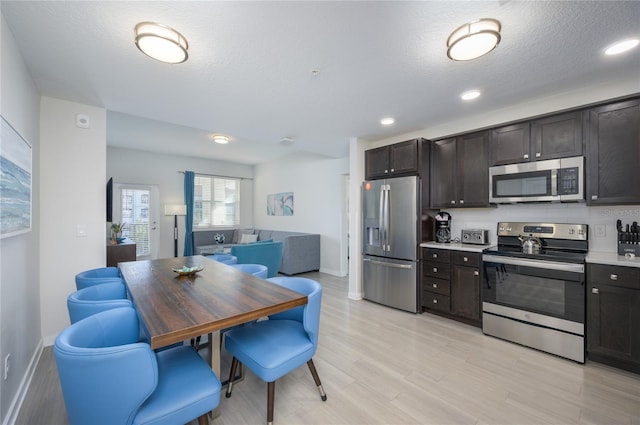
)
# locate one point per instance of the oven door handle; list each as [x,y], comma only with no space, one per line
[549,265]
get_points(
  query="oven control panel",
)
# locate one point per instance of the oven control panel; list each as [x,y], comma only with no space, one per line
[545,230]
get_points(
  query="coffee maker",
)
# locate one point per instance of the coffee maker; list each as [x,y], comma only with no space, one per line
[443,227]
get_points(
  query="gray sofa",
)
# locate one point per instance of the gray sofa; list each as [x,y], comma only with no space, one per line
[300,251]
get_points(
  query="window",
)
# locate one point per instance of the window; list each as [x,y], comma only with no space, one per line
[216,202]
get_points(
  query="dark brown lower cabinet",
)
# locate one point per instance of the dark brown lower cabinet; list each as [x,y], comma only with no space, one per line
[613,316]
[451,284]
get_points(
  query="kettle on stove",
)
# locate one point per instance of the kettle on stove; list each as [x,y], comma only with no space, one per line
[530,244]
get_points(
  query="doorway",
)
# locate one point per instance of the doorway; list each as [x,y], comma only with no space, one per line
[137,207]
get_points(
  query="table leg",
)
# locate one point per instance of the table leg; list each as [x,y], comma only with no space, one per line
[213,358]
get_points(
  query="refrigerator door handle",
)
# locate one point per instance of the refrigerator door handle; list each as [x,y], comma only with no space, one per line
[381,218]
[387,192]
[382,263]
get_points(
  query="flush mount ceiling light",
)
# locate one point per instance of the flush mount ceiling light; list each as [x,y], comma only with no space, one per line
[621,46]
[472,40]
[286,141]
[221,140]
[161,42]
[470,95]
[387,121]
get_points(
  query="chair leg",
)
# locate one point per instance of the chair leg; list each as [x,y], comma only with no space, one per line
[234,366]
[203,420]
[271,390]
[316,378]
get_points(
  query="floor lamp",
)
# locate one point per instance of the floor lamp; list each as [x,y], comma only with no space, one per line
[175,210]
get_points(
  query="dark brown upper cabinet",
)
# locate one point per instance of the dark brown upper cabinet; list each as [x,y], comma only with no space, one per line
[556,136]
[399,159]
[510,144]
[460,172]
[613,176]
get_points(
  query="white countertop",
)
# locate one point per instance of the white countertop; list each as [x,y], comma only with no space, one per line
[612,258]
[455,246]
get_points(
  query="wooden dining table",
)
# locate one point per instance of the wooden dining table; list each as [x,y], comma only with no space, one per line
[176,308]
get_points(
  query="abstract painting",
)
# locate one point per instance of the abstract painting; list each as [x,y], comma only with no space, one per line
[15,182]
[280,203]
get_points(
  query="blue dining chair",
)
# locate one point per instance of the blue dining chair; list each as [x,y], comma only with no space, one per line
[97,276]
[224,258]
[96,298]
[272,348]
[108,377]
[257,270]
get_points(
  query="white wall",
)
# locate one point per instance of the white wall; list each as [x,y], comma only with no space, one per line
[318,186]
[137,167]
[73,165]
[20,332]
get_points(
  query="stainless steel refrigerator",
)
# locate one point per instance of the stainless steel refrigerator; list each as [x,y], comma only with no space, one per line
[390,219]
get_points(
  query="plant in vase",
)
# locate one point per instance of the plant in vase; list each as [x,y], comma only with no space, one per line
[218,238]
[116,232]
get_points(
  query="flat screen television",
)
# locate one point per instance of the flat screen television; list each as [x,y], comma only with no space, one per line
[110,200]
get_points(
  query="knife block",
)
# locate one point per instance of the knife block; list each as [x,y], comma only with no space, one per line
[627,248]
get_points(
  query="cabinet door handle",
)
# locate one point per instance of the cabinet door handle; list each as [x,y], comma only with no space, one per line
[435,301]
[461,201]
[537,154]
[435,270]
[595,291]
[435,255]
[453,202]
[435,285]
[465,259]
[392,170]
[613,277]
[594,197]
[476,273]
[386,171]
[525,156]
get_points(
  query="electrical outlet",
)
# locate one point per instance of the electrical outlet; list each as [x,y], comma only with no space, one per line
[6,366]
[601,230]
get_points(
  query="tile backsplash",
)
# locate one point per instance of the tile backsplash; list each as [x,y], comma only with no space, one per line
[595,217]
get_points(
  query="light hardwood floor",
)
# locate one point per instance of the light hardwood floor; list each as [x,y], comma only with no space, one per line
[383,366]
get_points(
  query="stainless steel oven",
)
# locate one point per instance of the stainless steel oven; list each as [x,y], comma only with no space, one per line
[537,299]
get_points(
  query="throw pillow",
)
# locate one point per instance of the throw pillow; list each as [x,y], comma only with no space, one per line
[237,234]
[248,238]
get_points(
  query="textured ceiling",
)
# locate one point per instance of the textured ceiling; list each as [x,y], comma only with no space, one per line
[249,74]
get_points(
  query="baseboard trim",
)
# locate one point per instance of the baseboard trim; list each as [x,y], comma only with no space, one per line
[16,403]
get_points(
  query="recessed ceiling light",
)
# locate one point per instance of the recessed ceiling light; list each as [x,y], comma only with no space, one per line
[472,40]
[222,140]
[387,121]
[621,46]
[161,42]
[470,95]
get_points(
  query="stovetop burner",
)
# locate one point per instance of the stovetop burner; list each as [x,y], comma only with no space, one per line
[561,242]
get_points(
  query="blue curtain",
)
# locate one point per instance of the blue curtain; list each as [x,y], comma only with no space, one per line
[189,183]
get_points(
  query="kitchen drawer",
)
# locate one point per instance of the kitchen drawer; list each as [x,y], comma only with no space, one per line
[435,301]
[470,259]
[439,270]
[626,277]
[438,286]
[437,255]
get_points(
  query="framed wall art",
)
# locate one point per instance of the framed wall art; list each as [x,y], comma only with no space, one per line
[15,182]
[280,204]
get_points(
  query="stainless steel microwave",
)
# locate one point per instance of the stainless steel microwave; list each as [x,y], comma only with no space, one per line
[554,180]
